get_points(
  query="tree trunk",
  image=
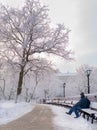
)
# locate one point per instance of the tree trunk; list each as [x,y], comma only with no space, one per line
[20,82]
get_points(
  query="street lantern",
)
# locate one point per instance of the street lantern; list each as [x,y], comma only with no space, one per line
[64,85]
[88,72]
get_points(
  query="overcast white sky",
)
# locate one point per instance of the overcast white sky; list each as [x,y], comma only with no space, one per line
[80,17]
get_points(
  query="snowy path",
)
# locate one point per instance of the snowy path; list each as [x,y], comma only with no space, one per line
[40,118]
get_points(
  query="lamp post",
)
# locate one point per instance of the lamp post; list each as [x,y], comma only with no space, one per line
[64,85]
[88,72]
[45,93]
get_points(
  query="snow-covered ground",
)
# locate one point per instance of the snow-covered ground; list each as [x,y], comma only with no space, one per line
[10,111]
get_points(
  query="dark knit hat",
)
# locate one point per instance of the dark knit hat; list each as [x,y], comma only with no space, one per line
[82,94]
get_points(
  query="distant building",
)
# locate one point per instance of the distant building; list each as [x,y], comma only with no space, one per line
[71,83]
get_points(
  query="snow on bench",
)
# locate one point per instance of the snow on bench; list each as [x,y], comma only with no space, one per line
[61,102]
[90,112]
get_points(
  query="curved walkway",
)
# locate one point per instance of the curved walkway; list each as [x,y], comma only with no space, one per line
[40,118]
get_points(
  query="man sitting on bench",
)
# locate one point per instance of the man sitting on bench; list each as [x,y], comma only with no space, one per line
[83,103]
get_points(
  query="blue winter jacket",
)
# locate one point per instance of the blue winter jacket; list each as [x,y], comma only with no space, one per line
[83,103]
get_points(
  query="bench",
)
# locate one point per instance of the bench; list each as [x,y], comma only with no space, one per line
[87,113]
[90,112]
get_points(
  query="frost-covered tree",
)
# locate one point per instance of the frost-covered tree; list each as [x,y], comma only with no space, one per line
[26,34]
